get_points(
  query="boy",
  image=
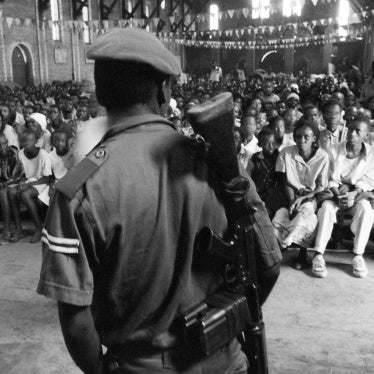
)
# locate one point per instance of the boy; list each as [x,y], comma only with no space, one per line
[248,129]
[37,168]
[11,172]
[60,163]
[334,133]
[349,183]
[262,170]
[277,125]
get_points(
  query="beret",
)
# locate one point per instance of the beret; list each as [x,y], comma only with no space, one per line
[293,96]
[134,45]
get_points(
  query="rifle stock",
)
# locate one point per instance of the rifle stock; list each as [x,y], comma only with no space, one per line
[214,121]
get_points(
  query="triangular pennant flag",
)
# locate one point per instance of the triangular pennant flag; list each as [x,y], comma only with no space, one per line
[171,19]
[242,32]
[27,22]
[17,21]
[9,21]
[237,33]
[245,12]
[230,12]
[220,16]
[155,21]
[314,2]
[238,13]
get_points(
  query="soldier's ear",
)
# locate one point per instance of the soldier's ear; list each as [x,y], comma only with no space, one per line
[164,95]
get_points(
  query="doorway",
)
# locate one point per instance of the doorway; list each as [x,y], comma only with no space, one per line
[22,66]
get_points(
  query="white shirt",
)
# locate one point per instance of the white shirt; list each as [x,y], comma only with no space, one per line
[37,167]
[362,174]
[303,174]
[11,135]
[58,164]
[252,146]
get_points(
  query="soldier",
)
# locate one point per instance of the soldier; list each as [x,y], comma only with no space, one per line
[119,235]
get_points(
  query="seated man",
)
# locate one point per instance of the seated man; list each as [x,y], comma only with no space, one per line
[351,179]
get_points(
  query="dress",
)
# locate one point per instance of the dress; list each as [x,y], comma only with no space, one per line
[120,233]
[303,177]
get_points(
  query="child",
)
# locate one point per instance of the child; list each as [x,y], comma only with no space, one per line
[277,125]
[262,170]
[248,129]
[11,172]
[37,122]
[37,168]
[59,163]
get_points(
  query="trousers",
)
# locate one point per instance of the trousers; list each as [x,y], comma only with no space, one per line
[228,360]
[362,222]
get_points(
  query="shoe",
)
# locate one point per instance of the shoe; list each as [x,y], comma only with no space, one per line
[36,237]
[302,261]
[5,237]
[319,267]
[17,236]
[359,267]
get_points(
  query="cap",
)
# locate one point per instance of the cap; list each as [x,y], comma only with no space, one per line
[134,45]
[41,119]
[293,96]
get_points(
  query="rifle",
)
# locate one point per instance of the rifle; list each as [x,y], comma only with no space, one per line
[214,122]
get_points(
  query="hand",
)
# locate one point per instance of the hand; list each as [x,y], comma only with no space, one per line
[21,187]
[343,189]
[296,205]
[346,201]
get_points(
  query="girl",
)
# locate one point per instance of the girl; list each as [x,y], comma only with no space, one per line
[304,169]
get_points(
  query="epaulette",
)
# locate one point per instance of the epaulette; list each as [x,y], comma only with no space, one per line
[71,183]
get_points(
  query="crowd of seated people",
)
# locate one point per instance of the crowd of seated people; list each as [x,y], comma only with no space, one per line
[37,129]
[306,142]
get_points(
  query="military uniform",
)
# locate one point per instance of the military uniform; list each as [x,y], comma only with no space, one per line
[119,237]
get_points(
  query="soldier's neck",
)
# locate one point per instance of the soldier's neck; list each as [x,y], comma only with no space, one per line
[116,116]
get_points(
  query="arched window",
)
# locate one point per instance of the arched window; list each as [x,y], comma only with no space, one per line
[292,7]
[56,17]
[213,17]
[86,29]
[260,8]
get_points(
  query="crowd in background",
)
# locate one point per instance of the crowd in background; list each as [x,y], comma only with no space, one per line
[288,131]
[38,126]
[306,142]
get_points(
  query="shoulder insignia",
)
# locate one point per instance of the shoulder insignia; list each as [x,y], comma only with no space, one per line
[70,184]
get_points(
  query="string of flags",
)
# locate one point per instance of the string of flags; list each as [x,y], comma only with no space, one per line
[270,44]
[142,22]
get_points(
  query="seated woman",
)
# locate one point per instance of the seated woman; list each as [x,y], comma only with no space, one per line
[305,173]
[11,172]
[262,170]
[37,168]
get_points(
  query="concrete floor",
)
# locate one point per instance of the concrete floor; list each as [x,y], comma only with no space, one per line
[314,326]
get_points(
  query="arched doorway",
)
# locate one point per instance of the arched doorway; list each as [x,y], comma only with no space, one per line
[272,61]
[22,66]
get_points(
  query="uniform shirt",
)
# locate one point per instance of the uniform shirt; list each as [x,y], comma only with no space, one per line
[11,135]
[300,174]
[287,141]
[362,174]
[273,98]
[44,141]
[58,166]
[252,147]
[123,240]
[327,138]
[36,168]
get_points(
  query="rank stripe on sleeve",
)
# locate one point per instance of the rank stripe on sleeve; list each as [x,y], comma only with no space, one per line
[61,245]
